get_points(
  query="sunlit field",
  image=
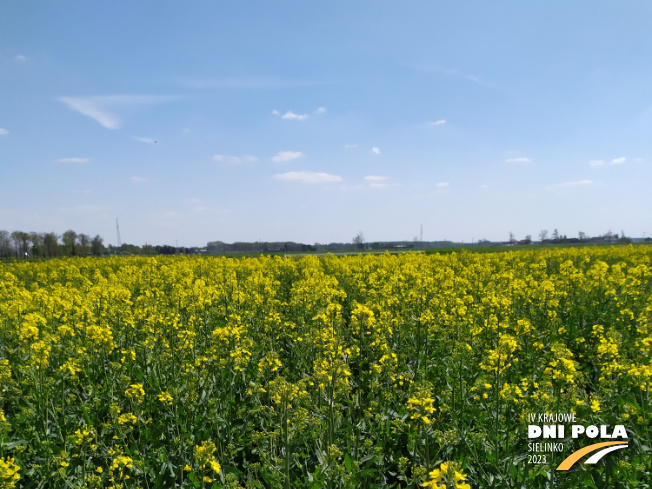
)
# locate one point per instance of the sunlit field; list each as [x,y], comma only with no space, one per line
[372,371]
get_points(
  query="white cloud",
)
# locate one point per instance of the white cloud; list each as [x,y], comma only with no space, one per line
[145,140]
[442,184]
[350,146]
[73,160]
[437,123]
[573,184]
[235,159]
[284,156]
[618,161]
[3,131]
[521,159]
[596,162]
[291,115]
[375,150]
[139,179]
[102,109]
[376,181]
[20,58]
[308,177]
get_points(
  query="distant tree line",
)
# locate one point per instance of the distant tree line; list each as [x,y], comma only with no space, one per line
[20,244]
[557,238]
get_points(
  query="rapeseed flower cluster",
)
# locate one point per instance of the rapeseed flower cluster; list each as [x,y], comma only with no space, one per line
[320,371]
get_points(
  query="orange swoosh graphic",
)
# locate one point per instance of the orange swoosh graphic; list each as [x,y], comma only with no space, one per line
[575,456]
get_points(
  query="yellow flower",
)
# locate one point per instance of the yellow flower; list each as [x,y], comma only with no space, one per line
[165,397]
[8,473]
[127,418]
[215,466]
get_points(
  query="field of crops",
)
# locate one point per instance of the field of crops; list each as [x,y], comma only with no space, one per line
[333,372]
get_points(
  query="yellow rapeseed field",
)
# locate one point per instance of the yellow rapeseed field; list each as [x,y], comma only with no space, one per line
[408,370]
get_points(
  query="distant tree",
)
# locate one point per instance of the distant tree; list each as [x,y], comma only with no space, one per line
[528,239]
[37,244]
[358,241]
[84,244]
[512,239]
[5,244]
[21,243]
[50,244]
[148,250]
[166,250]
[69,239]
[555,235]
[581,235]
[97,245]
[543,234]
[130,249]
[624,239]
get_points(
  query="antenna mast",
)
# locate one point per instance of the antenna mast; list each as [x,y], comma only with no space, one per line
[117,230]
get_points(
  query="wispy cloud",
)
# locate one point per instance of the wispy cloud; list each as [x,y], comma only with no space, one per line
[84,209]
[596,162]
[619,161]
[320,110]
[73,160]
[521,159]
[139,179]
[375,150]
[285,156]
[616,161]
[145,140]
[308,177]
[442,184]
[350,146]
[576,183]
[21,58]
[440,122]
[376,181]
[236,160]
[103,109]
[3,131]
[249,83]
[453,72]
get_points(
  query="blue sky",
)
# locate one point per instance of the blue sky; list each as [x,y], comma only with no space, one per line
[310,121]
